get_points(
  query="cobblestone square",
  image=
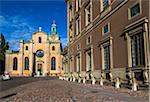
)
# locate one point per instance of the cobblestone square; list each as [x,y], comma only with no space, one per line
[55,90]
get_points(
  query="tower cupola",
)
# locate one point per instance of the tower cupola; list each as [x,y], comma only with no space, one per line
[53,28]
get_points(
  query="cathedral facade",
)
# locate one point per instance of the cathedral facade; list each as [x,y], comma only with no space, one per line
[42,55]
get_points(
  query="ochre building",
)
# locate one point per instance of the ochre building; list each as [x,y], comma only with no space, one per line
[39,56]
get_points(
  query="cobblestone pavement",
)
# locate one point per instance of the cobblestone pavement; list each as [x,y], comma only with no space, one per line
[64,91]
[17,81]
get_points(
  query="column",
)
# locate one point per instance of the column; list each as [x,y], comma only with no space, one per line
[20,58]
[92,59]
[59,60]
[47,61]
[31,57]
[147,52]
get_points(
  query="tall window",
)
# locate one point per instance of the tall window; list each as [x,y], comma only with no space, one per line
[78,4]
[70,14]
[137,50]
[70,11]
[26,63]
[53,48]
[88,14]
[26,47]
[78,29]
[40,39]
[89,40]
[78,46]
[89,61]
[106,57]
[107,61]
[53,63]
[15,63]
[71,34]
[78,63]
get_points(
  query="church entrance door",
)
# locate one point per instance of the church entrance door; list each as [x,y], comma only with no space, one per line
[39,69]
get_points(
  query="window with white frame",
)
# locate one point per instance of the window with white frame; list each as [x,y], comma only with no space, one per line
[89,40]
[106,29]
[78,47]
[71,64]
[78,5]
[107,57]
[88,60]
[137,50]
[71,34]
[88,14]
[70,14]
[104,4]
[107,61]
[78,25]
[106,47]
[78,61]
[134,10]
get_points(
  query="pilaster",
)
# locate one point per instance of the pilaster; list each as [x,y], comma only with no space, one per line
[21,59]
[31,57]
[47,58]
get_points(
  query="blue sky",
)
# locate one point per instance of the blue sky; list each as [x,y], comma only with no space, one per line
[19,19]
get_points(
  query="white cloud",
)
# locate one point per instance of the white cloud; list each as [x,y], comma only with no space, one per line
[3,21]
[64,42]
[15,28]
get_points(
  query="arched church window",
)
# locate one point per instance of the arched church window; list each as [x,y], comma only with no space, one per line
[15,62]
[53,63]
[26,47]
[40,39]
[26,63]
[53,48]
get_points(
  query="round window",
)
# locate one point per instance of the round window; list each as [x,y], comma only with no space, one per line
[40,53]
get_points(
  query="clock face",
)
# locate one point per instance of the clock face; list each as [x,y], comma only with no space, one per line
[40,53]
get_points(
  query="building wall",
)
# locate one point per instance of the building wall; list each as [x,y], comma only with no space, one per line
[117,15]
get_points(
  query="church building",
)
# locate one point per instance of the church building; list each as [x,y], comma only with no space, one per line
[42,55]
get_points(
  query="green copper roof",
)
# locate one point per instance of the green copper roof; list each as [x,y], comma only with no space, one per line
[54,30]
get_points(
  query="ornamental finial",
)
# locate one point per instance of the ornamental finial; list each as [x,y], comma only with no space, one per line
[40,29]
[53,21]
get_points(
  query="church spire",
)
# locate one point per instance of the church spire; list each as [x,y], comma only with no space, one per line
[53,28]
